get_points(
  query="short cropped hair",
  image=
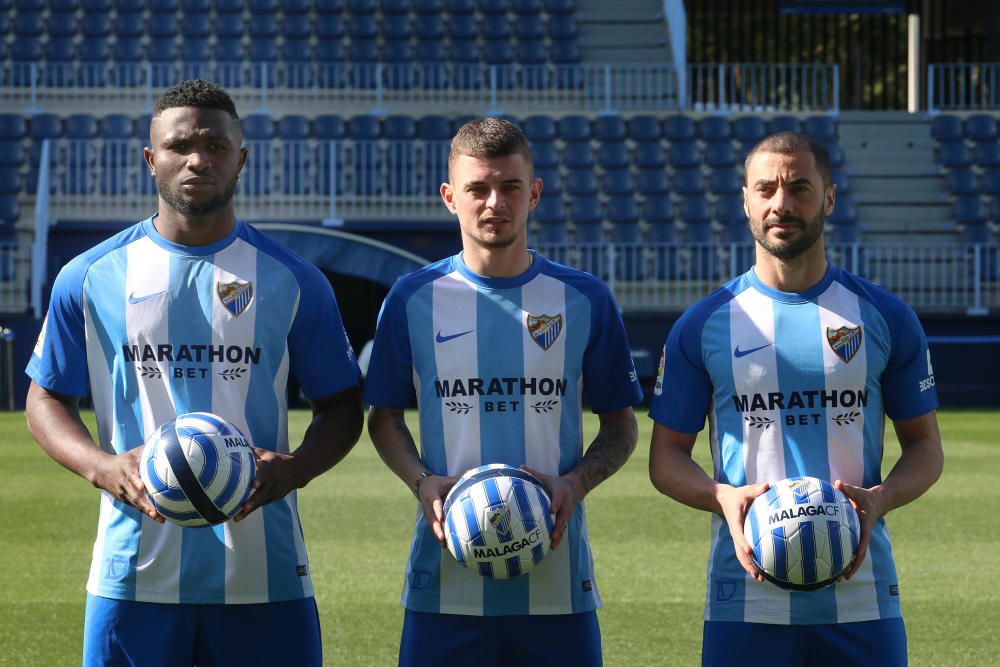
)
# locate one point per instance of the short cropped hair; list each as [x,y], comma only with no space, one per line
[787,143]
[489,138]
[195,93]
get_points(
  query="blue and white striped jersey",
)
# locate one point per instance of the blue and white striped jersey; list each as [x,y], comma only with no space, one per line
[796,384]
[152,329]
[500,367]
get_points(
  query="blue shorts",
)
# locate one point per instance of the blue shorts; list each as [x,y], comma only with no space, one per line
[864,643]
[123,633]
[432,640]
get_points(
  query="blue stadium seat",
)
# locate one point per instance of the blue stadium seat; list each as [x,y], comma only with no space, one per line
[688,181]
[228,6]
[323,7]
[328,26]
[328,126]
[330,51]
[749,129]
[127,51]
[695,210]
[953,154]
[162,6]
[296,50]
[61,24]
[96,25]
[581,182]
[684,155]
[574,128]
[295,7]
[432,7]
[434,128]
[263,51]
[298,26]
[613,155]
[196,50]
[498,52]
[729,212]
[539,128]
[649,156]
[265,6]
[493,7]
[590,229]
[196,6]
[162,51]
[10,210]
[644,128]
[783,124]
[45,126]
[652,182]
[397,51]
[196,26]
[552,184]
[961,182]
[564,52]
[526,7]
[968,209]
[258,126]
[821,128]
[987,154]
[116,126]
[364,127]
[840,179]
[54,5]
[658,210]
[230,50]
[394,7]
[718,155]
[26,6]
[560,6]
[10,175]
[263,26]
[399,127]
[28,24]
[60,50]
[495,27]
[129,6]
[362,6]
[140,126]
[990,184]
[981,127]
[161,26]
[429,27]
[836,154]
[578,155]
[725,181]
[995,210]
[550,210]
[230,26]
[363,51]
[617,182]
[623,212]
[130,25]
[293,127]
[545,154]
[13,126]
[460,6]
[946,127]
[396,26]
[845,212]
[610,128]
[26,49]
[714,129]
[81,126]
[529,27]
[562,27]
[90,6]
[463,27]
[678,129]
[464,51]
[362,26]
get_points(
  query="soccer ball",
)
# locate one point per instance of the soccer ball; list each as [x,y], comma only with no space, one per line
[198,469]
[498,521]
[804,533]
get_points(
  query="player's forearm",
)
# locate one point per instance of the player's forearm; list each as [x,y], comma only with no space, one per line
[611,448]
[917,469]
[334,430]
[55,424]
[394,443]
[676,475]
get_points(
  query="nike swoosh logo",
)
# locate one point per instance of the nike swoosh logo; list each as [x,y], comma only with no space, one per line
[444,339]
[132,298]
[742,353]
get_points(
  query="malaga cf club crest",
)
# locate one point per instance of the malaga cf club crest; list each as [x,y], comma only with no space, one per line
[544,329]
[844,341]
[235,296]
[499,518]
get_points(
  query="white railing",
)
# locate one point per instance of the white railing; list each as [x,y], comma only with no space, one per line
[672,276]
[423,88]
[312,87]
[761,87]
[963,86]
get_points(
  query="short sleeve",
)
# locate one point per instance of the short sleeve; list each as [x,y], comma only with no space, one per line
[609,378]
[908,388]
[683,392]
[389,382]
[59,361]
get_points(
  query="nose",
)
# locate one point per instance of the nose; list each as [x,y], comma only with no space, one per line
[495,200]
[780,201]
[197,161]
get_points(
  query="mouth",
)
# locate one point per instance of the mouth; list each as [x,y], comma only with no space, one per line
[197,182]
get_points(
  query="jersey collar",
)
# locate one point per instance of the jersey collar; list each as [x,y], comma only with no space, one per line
[198,251]
[806,296]
[458,264]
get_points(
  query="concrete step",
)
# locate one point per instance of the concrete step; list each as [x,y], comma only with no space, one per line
[640,34]
[900,238]
[895,189]
[624,54]
[589,11]
[925,218]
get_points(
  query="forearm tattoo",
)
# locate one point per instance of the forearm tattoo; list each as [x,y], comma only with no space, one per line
[609,452]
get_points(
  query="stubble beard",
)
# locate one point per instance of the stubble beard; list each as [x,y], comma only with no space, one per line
[179,204]
[790,249]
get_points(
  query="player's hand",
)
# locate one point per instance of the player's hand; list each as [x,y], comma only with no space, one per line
[431,493]
[565,493]
[735,502]
[274,480]
[119,476]
[868,504]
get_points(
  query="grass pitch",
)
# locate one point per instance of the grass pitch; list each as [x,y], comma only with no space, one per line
[650,555]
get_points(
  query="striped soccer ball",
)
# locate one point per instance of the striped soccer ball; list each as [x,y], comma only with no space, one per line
[198,469]
[804,533]
[498,522]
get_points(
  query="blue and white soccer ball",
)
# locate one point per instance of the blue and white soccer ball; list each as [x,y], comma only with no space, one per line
[804,533]
[198,469]
[498,521]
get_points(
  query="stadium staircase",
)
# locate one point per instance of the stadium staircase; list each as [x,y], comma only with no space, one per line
[622,31]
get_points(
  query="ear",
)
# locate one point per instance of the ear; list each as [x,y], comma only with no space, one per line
[829,199]
[147,155]
[746,205]
[243,158]
[536,193]
[448,197]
